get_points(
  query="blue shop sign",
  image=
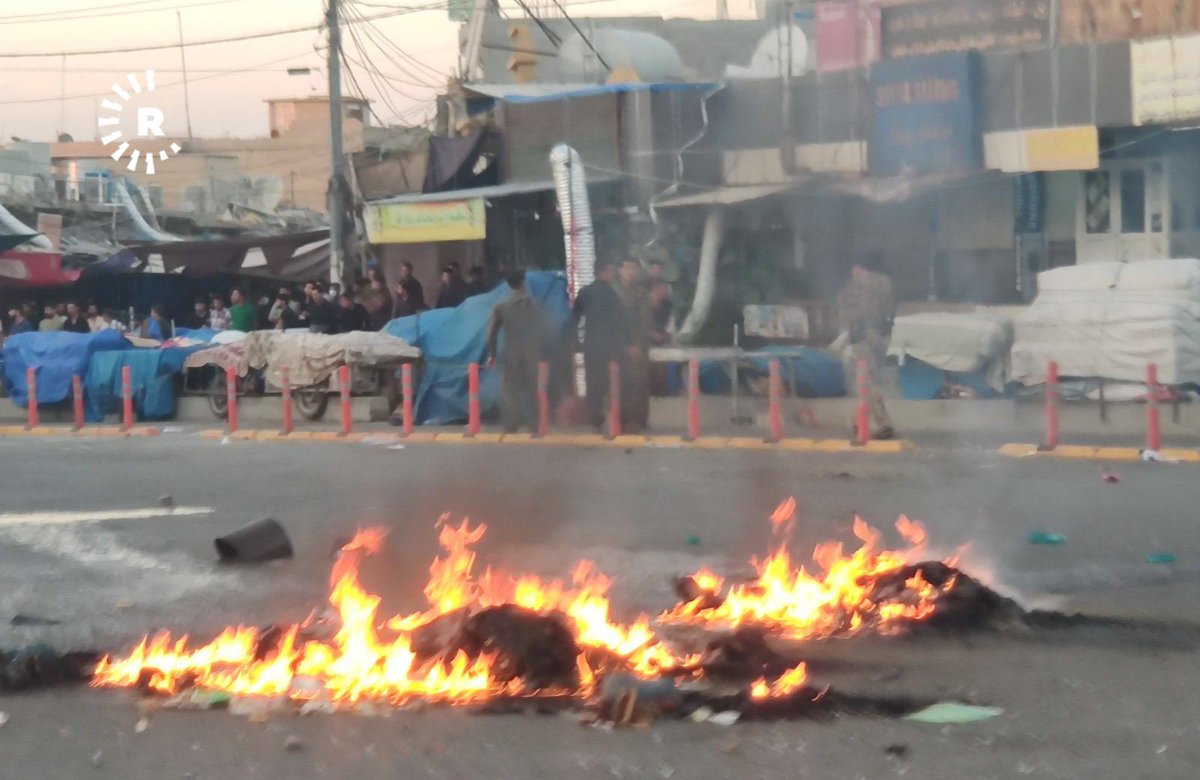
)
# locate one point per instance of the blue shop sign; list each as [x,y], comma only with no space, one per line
[927,117]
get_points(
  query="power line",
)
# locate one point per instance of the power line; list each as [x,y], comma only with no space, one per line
[211,41]
[79,14]
[384,43]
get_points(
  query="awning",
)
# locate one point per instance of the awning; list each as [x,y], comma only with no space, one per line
[35,269]
[10,240]
[727,196]
[203,258]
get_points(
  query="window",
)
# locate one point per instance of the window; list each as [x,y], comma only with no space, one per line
[1133,201]
[1097,202]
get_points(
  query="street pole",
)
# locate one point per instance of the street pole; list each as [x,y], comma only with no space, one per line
[337,242]
[187,107]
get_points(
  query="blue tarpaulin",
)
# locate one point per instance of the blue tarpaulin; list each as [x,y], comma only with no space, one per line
[152,372]
[920,381]
[450,339]
[57,357]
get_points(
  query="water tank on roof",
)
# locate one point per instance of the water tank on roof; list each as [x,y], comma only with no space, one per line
[771,54]
[651,57]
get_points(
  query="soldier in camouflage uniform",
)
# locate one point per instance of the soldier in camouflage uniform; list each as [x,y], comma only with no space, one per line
[866,307]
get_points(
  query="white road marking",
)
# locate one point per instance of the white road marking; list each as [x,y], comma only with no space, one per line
[68,518]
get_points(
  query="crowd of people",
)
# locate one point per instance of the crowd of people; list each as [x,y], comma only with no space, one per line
[625,311]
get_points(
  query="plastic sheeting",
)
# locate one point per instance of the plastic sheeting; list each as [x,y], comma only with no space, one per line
[1109,320]
[965,345]
[152,372]
[57,357]
[809,374]
[450,339]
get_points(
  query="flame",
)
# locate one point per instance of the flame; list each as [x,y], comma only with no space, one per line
[372,657]
[788,683]
[790,601]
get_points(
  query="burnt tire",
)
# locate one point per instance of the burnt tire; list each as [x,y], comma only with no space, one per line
[311,404]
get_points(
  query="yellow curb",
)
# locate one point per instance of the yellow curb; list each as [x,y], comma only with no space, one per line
[1116,453]
[327,436]
[579,439]
[244,435]
[145,431]
[212,433]
[748,443]
[11,430]
[518,438]
[1019,450]
[451,438]
[666,441]
[1073,451]
[710,443]
[833,445]
[106,430]
[1183,456]
[797,445]
[486,438]
[890,446]
[419,437]
[629,440]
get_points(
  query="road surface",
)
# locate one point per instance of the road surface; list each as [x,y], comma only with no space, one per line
[83,541]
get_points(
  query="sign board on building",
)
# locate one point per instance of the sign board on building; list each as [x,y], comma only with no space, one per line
[927,117]
[415,223]
[1062,148]
[964,25]
[847,34]
[51,226]
[1165,76]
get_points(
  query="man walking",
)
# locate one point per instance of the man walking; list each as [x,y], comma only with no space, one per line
[605,336]
[635,374]
[524,326]
[866,308]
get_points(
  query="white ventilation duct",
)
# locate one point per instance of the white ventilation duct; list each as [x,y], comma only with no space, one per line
[706,278]
[145,230]
[571,188]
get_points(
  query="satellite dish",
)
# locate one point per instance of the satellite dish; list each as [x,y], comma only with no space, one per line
[769,60]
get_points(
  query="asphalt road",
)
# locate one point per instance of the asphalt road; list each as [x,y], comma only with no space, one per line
[1080,702]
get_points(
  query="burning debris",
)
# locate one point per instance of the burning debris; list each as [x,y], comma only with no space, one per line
[493,638]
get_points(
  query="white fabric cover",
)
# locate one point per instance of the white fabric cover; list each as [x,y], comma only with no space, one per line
[1110,320]
[311,357]
[952,342]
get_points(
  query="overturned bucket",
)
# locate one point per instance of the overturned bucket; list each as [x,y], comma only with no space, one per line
[264,540]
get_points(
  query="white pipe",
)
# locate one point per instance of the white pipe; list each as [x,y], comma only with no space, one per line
[706,278]
[151,233]
[571,188]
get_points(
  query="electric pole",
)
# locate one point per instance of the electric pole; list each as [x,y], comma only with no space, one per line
[337,241]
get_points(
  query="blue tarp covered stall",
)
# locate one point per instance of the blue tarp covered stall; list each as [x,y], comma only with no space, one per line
[152,372]
[57,357]
[450,339]
[920,381]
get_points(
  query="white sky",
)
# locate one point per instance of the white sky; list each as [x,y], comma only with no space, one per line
[227,103]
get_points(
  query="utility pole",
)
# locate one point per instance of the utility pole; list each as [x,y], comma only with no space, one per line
[337,242]
[187,107]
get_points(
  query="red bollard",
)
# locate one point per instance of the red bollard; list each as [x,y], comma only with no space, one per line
[1153,428]
[473,422]
[1051,440]
[285,381]
[693,408]
[406,387]
[77,395]
[543,398]
[231,399]
[344,387]
[774,392]
[862,420]
[614,400]
[126,398]
[32,406]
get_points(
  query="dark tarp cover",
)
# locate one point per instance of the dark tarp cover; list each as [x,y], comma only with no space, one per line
[450,339]
[810,374]
[152,372]
[57,357]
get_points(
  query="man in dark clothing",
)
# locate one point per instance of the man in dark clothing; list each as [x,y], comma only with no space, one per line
[524,327]
[476,284]
[605,336]
[416,291]
[454,289]
[351,316]
[322,315]
[635,373]
[22,319]
[199,317]
[405,305]
[380,306]
[76,322]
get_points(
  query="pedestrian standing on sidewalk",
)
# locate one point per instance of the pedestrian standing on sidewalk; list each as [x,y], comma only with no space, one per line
[635,376]
[866,307]
[524,324]
[605,336]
